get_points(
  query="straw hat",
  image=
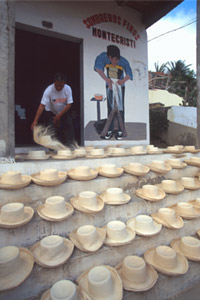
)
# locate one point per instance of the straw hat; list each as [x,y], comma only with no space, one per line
[186,210]
[80,152]
[49,177]
[193,161]
[153,150]
[52,251]
[195,203]
[190,183]
[176,163]
[101,282]
[168,217]
[171,186]
[144,225]
[136,275]
[15,266]
[37,155]
[136,150]
[118,234]
[118,151]
[64,289]
[14,215]
[166,260]
[88,202]
[188,246]
[181,147]
[82,173]
[64,154]
[191,149]
[110,170]
[96,153]
[12,180]
[159,166]
[173,149]
[55,209]
[115,196]
[88,238]
[151,193]
[136,169]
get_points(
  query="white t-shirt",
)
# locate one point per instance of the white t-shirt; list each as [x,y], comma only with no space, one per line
[55,100]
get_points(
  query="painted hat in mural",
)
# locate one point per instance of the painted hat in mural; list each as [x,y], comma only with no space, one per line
[37,155]
[64,154]
[80,152]
[136,169]
[190,183]
[101,282]
[115,196]
[186,210]
[176,163]
[151,192]
[49,177]
[96,153]
[82,173]
[136,150]
[16,265]
[12,180]
[118,234]
[144,225]
[136,274]
[193,161]
[159,166]
[168,218]
[188,246]
[171,186]
[88,202]
[110,170]
[173,149]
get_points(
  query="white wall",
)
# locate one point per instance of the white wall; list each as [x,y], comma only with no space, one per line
[183,115]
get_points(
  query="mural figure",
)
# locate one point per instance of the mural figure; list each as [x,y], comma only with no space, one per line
[118,71]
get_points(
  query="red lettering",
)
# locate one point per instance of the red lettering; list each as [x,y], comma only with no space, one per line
[137,37]
[86,23]
[105,17]
[119,20]
[109,17]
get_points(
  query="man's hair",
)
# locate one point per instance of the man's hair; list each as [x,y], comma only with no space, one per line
[113,51]
[60,77]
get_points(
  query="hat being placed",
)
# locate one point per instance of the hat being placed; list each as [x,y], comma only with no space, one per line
[186,210]
[137,150]
[101,282]
[188,246]
[115,196]
[55,209]
[88,238]
[118,234]
[64,154]
[166,260]
[110,170]
[193,161]
[168,218]
[80,152]
[151,192]
[82,173]
[49,177]
[136,169]
[96,153]
[171,186]
[144,225]
[88,202]
[15,266]
[14,215]
[12,180]
[190,183]
[38,154]
[136,275]
[52,251]
[173,149]
[159,166]
[176,163]
[191,149]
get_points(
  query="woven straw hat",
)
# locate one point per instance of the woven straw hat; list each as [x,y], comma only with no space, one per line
[110,170]
[188,246]
[190,183]
[88,202]
[96,153]
[166,260]
[119,151]
[88,238]
[136,150]
[80,152]
[14,215]
[168,218]
[173,149]
[195,203]
[101,282]
[136,275]
[186,210]
[16,265]
[136,169]
[52,251]
[153,150]
[55,209]
[176,163]
[49,177]
[193,161]
[82,173]
[191,149]
[64,154]
[171,186]
[37,155]
[118,234]
[151,193]
[115,196]
[12,180]
[159,166]
[144,225]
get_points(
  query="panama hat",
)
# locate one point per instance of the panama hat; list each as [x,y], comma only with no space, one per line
[150,192]
[136,275]
[153,150]
[88,202]
[64,154]
[55,209]
[166,260]
[82,173]
[195,203]
[118,234]
[118,151]
[191,149]
[101,282]
[190,183]
[186,210]
[15,266]
[110,170]
[115,196]
[64,289]
[167,217]
[37,155]
[188,246]
[96,153]
[14,215]
[144,225]
[136,150]
[52,251]
[136,169]
[88,238]
[80,152]
[173,149]
[171,186]
[12,180]
[176,163]
[49,177]
[159,166]
[193,161]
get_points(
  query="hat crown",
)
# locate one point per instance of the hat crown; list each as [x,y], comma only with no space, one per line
[55,205]
[118,150]
[134,269]
[144,223]
[185,207]
[137,149]
[116,230]
[188,181]
[150,190]
[49,174]
[97,151]
[66,152]
[171,148]
[88,199]
[190,148]
[180,147]
[11,177]
[36,154]
[167,214]
[63,290]
[12,212]
[174,162]
[79,151]
[149,147]
[195,159]
[158,164]
[109,168]
[87,235]
[100,282]
[9,260]
[190,245]
[165,257]
[136,166]
[114,194]
[82,170]
[169,184]
[52,246]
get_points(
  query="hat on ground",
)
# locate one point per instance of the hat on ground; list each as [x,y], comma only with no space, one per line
[176,163]
[166,260]
[151,192]
[96,153]
[12,180]
[118,151]
[110,170]
[173,149]
[64,154]
[136,150]
[115,196]
[82,173]
[168,217]
[14,215]
[88,238]
[136,275]
[144,225]
[88,202]
[136,169]
[191,149]
[118,234]
[188,246]
[55,209]
[101,282]
[80,152]
[52,251]
[186,210]
[153,150]
[37,155]
[195,203]
[193,161]
[171,186]
[15,266]
[49,177]
[159,166]
[190,183]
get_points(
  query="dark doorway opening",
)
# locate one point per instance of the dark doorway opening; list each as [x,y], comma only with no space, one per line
[37,59]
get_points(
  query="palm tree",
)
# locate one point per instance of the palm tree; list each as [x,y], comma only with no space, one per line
[160,69]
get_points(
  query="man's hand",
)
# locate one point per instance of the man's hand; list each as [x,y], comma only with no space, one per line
[109,82]
[56,120]
[33,124]
[121,82]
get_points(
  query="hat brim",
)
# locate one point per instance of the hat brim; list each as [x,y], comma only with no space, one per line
[127,198]
[181,166]
[179,224]
[55,218]
[161,195]
[101,235]
[96,156]
[77,205]
[37,180]
[117,293]
[129,238]
[26,180]
[135,172]
[187,216]
[191,151]
[157,228]
[159,170]
[173,151]
[195,187]
[126,153]
[15,278]
[28,213]
[175,244]
[154,152]
[73,175]
[38,158]
[178,190]
[138,153]
[192,163]
[195,204]
[64,157]
[119,172]
[180,269]
[35,249]
[80,295]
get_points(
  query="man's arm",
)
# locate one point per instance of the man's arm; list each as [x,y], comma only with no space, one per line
[122,81]
[56,119]
[37,115]
[102,74]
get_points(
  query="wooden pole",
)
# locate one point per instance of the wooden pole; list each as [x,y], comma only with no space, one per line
[198,74]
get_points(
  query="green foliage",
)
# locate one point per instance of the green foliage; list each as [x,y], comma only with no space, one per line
[158,121]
